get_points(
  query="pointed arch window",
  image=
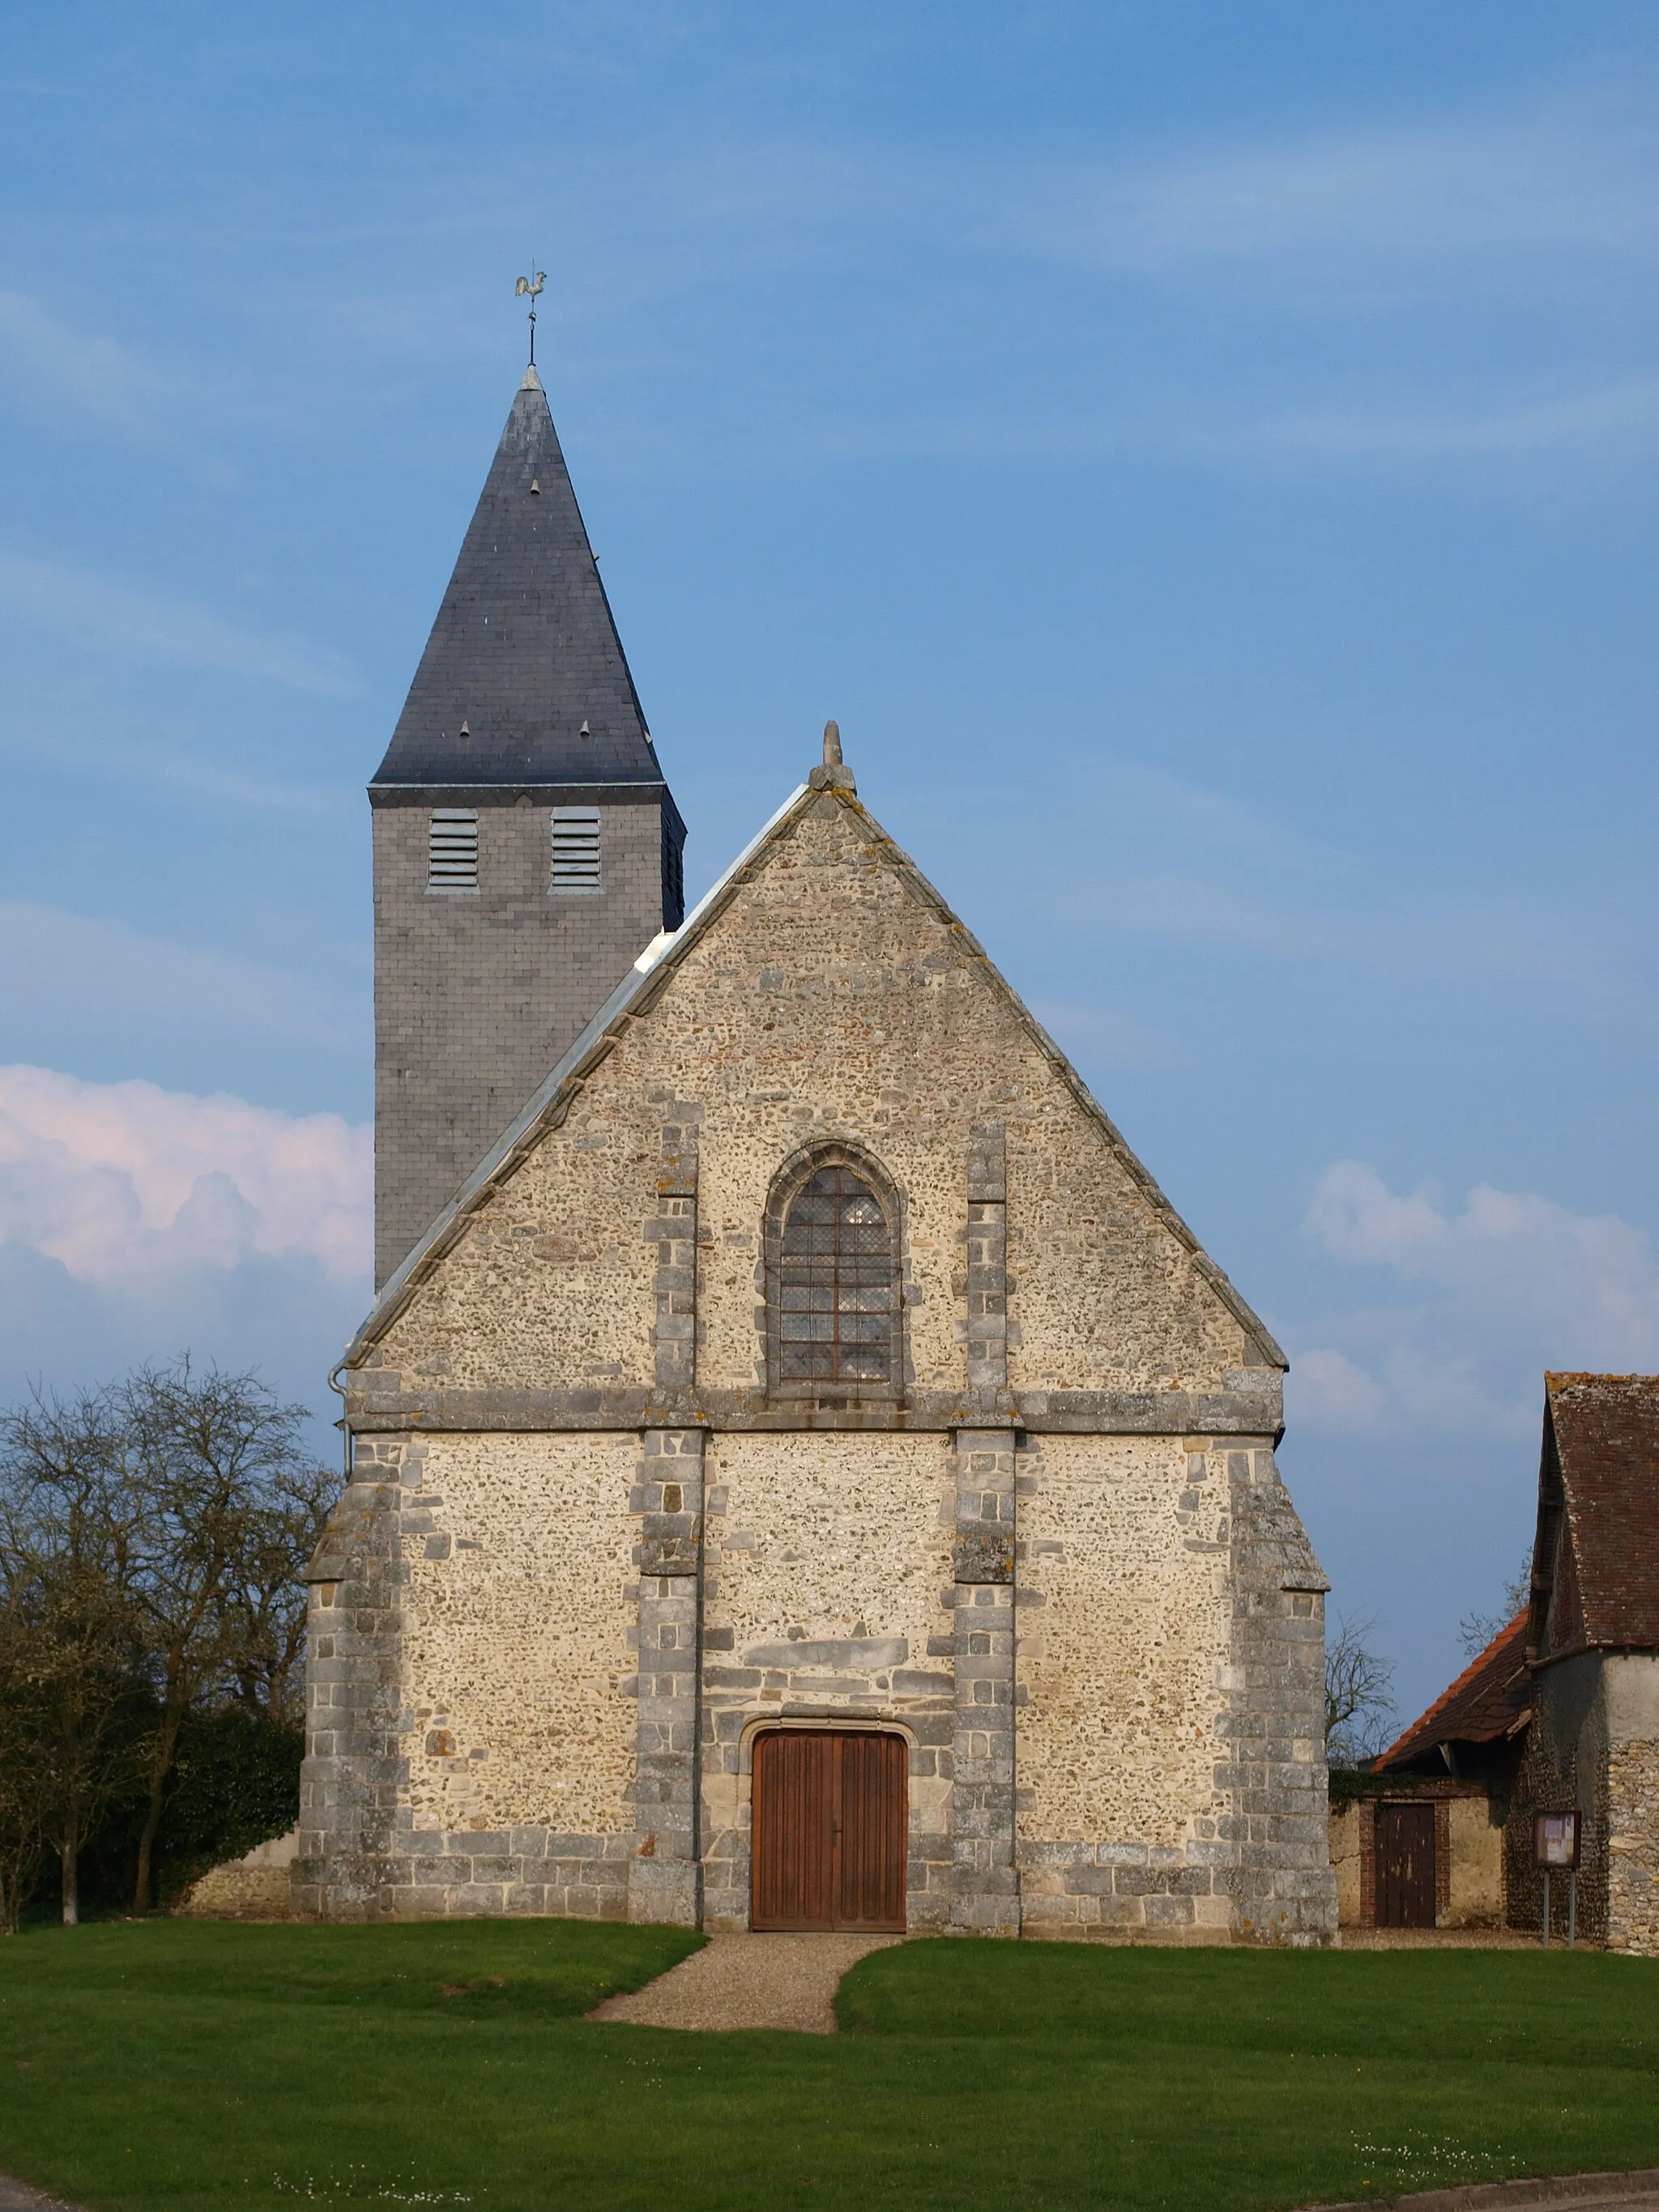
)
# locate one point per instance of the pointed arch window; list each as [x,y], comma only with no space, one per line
[834,1308]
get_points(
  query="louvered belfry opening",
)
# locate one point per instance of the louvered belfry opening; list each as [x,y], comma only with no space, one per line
[451,853]
[834,1284]
[576,849]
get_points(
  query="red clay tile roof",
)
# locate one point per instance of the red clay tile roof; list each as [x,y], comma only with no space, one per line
[1487,1701]
[1606,1437]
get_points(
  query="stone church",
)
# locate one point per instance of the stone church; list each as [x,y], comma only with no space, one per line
[802,1472]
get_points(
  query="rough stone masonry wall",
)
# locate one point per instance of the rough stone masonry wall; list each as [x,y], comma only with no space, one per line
[1592,1743]
[831,1000]
[471,1740]
[1564,1764]
[350,1794]
[1633,1846]
[827,1001]
[517,1663]
[826,1563]
[557,1278]
[1632,1801]
[1125,1635]
[1272,1725]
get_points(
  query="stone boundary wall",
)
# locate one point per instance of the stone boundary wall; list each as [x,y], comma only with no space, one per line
[256,1887]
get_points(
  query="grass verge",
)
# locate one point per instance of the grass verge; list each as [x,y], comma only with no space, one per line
[186,2066]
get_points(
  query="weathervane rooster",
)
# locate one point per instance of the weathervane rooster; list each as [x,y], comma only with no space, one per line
[530,288]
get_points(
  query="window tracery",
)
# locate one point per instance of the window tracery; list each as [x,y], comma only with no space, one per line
[833,1282]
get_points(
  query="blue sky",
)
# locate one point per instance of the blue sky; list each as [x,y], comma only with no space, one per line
[1204,456]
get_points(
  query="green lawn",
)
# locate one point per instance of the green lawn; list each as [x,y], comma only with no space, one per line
[178,2065]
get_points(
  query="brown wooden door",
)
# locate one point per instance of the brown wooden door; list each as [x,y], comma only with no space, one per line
[830,1813]
[1405,1866]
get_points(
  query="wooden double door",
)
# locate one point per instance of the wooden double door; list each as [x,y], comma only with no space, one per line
[1405,1866]
[830,1813]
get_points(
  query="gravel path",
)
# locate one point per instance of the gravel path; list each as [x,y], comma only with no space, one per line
[749,1981]
[18,2197]
[1449,1939]
[1571,2193]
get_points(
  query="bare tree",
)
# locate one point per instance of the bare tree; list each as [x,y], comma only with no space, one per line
[1358,1694]
[1476,1630]
[229,1505]
[72,1645]
[265,1604]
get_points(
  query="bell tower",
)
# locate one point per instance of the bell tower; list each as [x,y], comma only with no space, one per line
[526,846]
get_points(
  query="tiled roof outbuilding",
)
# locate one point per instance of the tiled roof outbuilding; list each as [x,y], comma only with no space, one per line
[1595,1566]
[1490,1699]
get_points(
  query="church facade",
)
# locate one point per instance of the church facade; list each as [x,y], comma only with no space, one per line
[802,1472]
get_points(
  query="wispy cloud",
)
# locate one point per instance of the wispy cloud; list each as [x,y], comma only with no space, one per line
[58,968]
[1215,870]
[123,1181]
[1614,419]
[132,622]
[1475,1302]
[67,373]
[1110,1037]
[1556,179]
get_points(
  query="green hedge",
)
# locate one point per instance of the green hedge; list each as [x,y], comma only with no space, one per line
[236,1784]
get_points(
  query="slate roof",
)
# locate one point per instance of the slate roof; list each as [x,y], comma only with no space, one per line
[1601,1471]
[1489,1698]
[524,651]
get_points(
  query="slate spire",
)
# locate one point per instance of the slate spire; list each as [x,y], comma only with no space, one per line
[524,680]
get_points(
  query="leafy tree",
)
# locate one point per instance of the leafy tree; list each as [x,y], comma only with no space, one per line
[152,1538]
[1358,1695]
[72,1646]
[227,1505]
[24,1807]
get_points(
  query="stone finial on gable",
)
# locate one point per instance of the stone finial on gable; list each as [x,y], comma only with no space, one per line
[835,775]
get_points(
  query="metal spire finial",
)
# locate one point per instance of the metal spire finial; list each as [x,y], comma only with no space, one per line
[530,288]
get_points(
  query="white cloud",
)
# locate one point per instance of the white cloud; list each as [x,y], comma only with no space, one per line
[123,1182]
[133,622]
[1478,1301]
[1591,1278]
[1330,1387]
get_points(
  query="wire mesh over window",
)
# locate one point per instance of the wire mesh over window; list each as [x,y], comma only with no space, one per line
[835,1321]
